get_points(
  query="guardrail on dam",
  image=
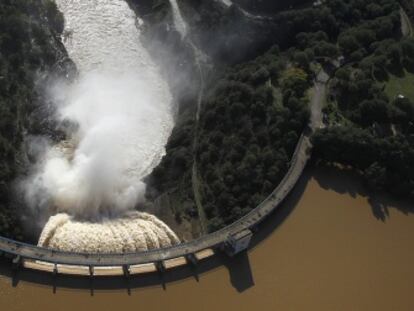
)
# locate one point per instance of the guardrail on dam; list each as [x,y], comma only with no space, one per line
[33,257]
[50,260]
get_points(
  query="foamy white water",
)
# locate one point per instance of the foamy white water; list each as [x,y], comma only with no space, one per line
[123,110]
[134,232]
[121,105]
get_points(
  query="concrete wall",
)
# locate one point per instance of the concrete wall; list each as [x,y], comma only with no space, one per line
[33,257]
[48,260]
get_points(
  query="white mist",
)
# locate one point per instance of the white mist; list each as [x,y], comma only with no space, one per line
[122,110]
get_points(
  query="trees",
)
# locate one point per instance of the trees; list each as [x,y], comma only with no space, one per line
[27,28]
[326,49]
[374,135]
[375,110]
[348,44]
[384,163]
[54,16]
[244,156]
[295,81]
[256,108]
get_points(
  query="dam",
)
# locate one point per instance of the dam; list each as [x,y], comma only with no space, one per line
[324,250]
[319,241]
[191,252]
[93,226]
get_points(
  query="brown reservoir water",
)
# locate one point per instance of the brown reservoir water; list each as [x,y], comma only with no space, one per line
[329,247]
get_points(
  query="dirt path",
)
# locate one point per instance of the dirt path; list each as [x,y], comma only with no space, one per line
[194,173]
[318,99]
[297,166]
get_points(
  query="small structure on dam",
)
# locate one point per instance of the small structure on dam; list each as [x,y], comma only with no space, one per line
[133,243]
[238,242]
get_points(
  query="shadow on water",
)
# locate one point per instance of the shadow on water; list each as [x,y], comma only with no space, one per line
[240,272]
[100,283]
[350,183]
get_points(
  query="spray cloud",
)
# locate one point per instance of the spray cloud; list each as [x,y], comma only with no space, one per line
[122,111]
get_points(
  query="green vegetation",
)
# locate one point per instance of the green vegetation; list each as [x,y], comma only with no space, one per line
[400,85]
[247,137]
[256,108]
[255,99]
[26,49]
[369,127]
[252,116]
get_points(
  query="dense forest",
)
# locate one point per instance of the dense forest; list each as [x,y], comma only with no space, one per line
[250,122]
[250,125]
[367,49]
[370,128]
[27,48]
[255,81]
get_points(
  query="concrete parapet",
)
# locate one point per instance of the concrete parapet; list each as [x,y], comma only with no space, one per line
[175,262]
[108,271]
[142,268]
[125,270]
[204,254]
[39,265]
[74,270]
[48,260]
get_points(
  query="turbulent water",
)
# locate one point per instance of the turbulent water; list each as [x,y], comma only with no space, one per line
[132,233]
[122,111]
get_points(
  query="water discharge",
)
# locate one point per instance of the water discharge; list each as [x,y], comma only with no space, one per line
[179,22]
[327,251]
[134,232]
[122,112]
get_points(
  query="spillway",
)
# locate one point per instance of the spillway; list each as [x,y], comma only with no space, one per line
[122,109]
[134,232]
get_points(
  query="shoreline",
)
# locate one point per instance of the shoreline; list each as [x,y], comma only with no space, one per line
[235,237]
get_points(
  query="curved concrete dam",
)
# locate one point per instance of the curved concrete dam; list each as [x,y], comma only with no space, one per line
[328,247]
[121,113]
